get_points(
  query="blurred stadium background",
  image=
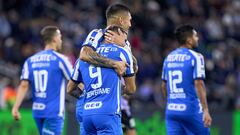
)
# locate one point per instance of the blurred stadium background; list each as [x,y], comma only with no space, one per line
[218,24]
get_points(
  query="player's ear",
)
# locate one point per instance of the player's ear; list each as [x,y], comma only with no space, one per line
[54,39]
[121,20]
[189,40]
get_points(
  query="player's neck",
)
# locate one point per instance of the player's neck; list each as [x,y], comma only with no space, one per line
[105,42]
[50,47]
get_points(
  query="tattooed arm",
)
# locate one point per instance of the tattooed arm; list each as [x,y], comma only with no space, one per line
[89,55]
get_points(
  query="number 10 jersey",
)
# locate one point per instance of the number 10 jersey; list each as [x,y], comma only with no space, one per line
[47,73]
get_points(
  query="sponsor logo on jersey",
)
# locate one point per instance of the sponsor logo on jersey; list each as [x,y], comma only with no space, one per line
[176,107]
[38,106]
[93,105]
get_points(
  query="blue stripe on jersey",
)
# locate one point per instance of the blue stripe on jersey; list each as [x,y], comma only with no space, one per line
[94,34]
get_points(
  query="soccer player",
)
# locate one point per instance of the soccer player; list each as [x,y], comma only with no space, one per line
[75,88]
[46,73]
[118,15]
[183,73]
[101,111]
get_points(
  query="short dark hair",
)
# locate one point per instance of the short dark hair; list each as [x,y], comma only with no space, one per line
[115,9]
[48,32]
[115,29]
[183,32]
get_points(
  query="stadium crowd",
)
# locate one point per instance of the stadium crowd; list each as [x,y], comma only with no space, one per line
[151,37]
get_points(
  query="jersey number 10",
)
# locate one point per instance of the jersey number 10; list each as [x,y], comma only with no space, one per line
[40,80]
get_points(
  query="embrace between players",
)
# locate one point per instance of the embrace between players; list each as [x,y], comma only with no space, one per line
[106,69]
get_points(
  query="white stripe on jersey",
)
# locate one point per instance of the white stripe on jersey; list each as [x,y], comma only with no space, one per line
[118,96]
[93,41]
[67,63]
[25,72]
[62,98]
[200,66]
[61,66]
[76,72]
[130,58]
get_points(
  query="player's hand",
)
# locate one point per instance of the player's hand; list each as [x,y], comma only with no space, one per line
[120,67]
[207,119]
[15,113]
[115,38]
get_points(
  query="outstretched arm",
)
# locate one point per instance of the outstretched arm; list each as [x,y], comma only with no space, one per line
[201,92]
[22,90]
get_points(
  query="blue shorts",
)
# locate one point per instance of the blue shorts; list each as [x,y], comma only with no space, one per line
[49,126]
[186,125]
[102,124]
[79,119]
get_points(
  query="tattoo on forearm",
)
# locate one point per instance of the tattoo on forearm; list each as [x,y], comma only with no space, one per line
[98,60]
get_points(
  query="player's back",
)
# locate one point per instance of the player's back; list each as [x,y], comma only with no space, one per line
[47,72]
[102,85]
[181,68]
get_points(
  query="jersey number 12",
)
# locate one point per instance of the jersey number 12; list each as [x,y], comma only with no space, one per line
[175,77]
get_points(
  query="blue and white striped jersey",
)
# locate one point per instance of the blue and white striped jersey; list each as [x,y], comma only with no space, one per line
[47,73]
[102,85]
[95,38]
[181,67]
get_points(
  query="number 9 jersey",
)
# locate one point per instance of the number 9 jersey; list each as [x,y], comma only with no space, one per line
[47,73]
[181,67]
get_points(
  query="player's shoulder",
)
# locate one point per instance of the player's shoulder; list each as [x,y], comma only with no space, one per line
[196,54]
[125,50]
[60,56]
[96,32]
[35,55]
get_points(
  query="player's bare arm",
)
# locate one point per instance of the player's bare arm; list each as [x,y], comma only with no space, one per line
[89,55]
[22,90]
[74,89]
[130,85]
[201,92]
[135,64]
[164,90]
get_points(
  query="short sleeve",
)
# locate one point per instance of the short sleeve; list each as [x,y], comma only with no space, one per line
[94,38]
[25,71]
[76,75]
[66,67]
[126,55]
[164,74]
[198,66]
